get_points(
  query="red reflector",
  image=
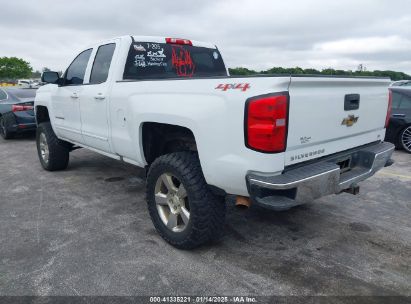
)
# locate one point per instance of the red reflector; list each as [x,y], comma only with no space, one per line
[178,41]
[266,123]
[389,109]
[20,108]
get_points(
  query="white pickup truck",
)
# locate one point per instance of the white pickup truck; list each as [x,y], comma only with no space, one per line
[169,105]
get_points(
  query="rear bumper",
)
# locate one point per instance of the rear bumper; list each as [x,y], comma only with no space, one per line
[23,127]
[23,121]
[328,176]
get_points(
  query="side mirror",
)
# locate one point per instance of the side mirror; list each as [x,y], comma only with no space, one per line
[50,77]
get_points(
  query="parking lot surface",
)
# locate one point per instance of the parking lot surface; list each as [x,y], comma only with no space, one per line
[86,231]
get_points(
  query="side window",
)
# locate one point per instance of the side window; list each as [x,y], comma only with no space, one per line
[3,95]
[396,100]
[405,103]
[77,69]
[101,65]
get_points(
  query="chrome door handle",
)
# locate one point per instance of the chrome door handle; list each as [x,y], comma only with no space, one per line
[100,97]
[74,95]
[398,115]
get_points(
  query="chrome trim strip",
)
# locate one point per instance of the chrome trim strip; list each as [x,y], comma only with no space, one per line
[374,167]
[291,184]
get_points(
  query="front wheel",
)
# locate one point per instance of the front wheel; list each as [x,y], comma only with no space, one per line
[53,152]
[183,209]
[405,139]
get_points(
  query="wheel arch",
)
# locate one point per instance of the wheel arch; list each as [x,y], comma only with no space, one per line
[42,114]
[162,138]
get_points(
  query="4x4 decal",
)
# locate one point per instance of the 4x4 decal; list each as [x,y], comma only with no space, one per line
[234,86]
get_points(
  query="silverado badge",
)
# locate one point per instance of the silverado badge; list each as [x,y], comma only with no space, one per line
[350,120]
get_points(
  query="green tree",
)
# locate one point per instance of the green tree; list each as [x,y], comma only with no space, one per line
[13,68]
[330,71]
[311,71]
[241,71]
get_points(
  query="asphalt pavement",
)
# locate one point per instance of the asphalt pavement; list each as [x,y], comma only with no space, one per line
[86,231]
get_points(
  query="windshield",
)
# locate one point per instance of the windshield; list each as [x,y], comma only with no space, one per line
[148,60]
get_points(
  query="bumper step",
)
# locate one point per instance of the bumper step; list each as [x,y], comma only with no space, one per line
[306,183]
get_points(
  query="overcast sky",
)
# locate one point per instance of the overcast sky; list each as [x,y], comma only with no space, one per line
[256,34]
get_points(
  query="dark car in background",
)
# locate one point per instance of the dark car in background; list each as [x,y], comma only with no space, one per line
[399,127]
[16,111]
[401,83]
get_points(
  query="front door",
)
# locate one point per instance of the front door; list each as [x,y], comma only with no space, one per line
[66,113]
[66,100]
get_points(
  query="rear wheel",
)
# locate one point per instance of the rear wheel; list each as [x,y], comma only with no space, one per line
[53,152]
[183,209]
[405,139]
[4,127]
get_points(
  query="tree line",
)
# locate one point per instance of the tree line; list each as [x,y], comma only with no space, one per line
[12,68]
[300,71]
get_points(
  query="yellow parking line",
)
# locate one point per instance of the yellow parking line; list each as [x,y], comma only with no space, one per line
[393,174]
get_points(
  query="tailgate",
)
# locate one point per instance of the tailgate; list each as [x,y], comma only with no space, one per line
[328,115]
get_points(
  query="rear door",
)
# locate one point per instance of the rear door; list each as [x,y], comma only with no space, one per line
[95,98]
[328,115]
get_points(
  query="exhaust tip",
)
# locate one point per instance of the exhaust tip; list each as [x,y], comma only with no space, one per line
[242,202]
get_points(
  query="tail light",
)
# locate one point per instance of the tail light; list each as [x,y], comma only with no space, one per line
[389,109]
[266,123]
[20,108]
[178,41]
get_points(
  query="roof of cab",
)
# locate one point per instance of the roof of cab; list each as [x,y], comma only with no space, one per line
[159,39]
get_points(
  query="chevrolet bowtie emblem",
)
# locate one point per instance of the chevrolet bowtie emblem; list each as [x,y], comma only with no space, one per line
[350,120]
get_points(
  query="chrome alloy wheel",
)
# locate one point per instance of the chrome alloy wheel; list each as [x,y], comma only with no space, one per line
[406,139]
[172,202]
[44,148]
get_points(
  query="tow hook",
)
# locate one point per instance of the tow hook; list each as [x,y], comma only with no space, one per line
[354,190]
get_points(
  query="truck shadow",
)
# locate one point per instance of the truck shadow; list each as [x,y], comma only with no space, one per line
[250,225]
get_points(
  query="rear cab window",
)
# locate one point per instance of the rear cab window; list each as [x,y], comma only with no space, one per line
[147,60]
